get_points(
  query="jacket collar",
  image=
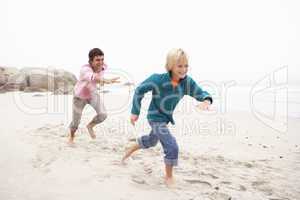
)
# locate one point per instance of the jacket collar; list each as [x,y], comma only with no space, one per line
[180,80]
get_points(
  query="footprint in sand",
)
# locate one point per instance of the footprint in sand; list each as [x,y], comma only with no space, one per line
[209,175]
[138,180]
[263,187]
[203,184]
[221,196]
[226,182]
[244,164]
[187,172]
[147,169]
[234,187]
[43,162]
[248,165]
[118,163]
[242,188]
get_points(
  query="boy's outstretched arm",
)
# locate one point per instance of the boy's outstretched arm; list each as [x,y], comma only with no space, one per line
[194,90]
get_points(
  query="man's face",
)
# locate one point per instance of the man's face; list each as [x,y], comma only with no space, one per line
[98,62]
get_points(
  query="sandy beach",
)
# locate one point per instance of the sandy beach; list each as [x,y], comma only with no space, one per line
[228,155]
[243,55]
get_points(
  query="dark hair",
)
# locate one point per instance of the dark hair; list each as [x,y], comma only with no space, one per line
[95,52]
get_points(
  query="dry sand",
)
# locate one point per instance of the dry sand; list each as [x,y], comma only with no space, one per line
[222,156]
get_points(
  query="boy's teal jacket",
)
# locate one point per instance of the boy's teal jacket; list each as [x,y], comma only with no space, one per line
[165,97]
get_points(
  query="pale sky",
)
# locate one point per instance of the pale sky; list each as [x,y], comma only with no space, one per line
[226,40]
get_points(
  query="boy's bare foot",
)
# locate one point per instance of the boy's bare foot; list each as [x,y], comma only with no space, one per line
[129,151]
[170,182]
[91,131]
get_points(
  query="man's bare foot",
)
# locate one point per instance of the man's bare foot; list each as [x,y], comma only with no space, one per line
[170,182]
[71,141]
[129,151]
[91,131]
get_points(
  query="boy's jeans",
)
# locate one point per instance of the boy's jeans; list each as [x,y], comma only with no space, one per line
[160,132]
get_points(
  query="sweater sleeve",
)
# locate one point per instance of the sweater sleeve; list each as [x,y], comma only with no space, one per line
[147,85]
[194,90]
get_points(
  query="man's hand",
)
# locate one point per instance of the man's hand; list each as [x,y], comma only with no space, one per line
[205,105]
[133,119]
[113,80]
[103,81]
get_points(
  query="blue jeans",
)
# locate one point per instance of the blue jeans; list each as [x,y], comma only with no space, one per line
[160,132]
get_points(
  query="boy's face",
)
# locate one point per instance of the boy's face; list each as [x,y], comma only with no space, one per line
[98,62]
[180,69]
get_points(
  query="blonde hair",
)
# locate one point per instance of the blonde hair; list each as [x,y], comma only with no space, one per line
[174,55]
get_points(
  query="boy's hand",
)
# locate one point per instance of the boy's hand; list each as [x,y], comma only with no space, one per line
[205,105]
[133,119]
